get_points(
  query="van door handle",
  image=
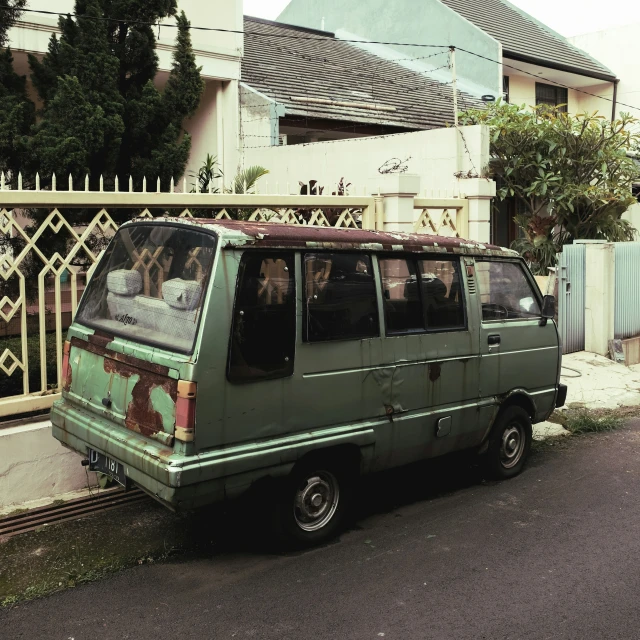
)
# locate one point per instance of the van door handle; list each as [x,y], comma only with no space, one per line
[494,340]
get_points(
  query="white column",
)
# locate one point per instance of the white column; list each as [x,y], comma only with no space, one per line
[219,125]
[399,191]
[203,129]
[600,286]
[231,129]
[479,192]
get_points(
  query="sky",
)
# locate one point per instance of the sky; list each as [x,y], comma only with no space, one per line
[568,17]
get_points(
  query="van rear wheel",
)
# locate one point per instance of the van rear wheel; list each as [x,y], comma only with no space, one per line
[509,443]
[313,503]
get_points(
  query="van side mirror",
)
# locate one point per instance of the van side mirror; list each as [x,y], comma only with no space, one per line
[548,307]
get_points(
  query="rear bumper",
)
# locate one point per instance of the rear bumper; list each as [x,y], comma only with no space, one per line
[186,482]
[151,466]
[561,396]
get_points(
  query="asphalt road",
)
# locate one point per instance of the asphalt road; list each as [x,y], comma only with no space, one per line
[436,553]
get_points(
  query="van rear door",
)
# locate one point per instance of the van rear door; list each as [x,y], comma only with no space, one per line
[129,391]
[144,303]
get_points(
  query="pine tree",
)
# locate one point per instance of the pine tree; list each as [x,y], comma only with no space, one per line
[155,144]
[17,112]
[114,112]
[82,126]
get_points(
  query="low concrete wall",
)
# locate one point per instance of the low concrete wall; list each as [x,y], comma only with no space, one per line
[33,465]
[435,155]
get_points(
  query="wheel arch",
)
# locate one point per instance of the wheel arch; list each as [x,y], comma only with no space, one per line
[349,455]
[519,398]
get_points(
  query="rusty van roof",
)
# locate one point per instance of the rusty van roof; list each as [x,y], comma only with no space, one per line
[266,235]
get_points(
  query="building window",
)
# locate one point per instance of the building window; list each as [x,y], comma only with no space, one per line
[340,297]
[263,336]
[505,89]
[552,95]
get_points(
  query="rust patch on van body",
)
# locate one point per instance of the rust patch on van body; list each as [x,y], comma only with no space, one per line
[246,234]
[99,350]
[435,369]
[66,385]
[151,408]
[101,338]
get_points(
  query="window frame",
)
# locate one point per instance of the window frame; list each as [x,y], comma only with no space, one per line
[269,253]
[558,101]
[305,306]
[417,257]
[528,276]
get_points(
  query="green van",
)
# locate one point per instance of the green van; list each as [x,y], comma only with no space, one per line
[207,356]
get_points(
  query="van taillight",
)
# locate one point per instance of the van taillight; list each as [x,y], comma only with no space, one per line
[186,411]
[65,364]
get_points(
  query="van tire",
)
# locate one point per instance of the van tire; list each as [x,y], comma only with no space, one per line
[509,443]
[313,502]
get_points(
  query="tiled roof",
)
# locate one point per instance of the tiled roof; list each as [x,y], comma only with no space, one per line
[524,38]
[313,74]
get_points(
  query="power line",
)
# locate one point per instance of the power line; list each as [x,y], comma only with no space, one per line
[324,39]
[537,77]
[220,30]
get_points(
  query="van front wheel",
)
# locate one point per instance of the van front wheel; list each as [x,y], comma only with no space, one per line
[313,503]
[509,443]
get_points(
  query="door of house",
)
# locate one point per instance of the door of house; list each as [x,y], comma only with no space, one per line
[571,297]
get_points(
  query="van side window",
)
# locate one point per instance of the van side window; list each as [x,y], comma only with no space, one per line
[442,293]
[505,292]
[340,297]
[264,318]
[402,305]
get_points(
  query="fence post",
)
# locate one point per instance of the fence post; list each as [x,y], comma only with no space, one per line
[599,300]
[399,191]
[479,193]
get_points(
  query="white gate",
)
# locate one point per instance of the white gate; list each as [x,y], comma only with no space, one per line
[571,297]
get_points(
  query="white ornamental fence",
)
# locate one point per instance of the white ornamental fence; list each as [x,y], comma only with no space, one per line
[50,239]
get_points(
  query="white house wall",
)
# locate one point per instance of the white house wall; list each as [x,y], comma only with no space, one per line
[435,155]
[214,128]
[584,98]
[633,216]
[619,49]
[218,53]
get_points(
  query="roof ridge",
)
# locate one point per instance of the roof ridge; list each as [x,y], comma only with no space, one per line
[293,27]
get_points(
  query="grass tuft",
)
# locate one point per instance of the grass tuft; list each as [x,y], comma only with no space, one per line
[583,421]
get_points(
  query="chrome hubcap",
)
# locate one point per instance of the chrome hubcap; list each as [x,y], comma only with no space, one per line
[316,500]
[513,441]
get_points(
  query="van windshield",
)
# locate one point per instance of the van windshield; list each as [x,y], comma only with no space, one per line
[150,285]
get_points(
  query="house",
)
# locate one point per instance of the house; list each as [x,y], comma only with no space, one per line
[214,127]
[302,85]
[619,48]
[501,50]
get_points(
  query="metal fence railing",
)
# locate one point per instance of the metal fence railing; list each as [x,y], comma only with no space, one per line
[50,239]
[627,297]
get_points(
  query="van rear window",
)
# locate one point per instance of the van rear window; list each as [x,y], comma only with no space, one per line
[150,285]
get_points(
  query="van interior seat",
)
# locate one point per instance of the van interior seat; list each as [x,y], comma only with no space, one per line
[174,316]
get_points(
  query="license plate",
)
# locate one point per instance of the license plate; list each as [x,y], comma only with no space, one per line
[103,464]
